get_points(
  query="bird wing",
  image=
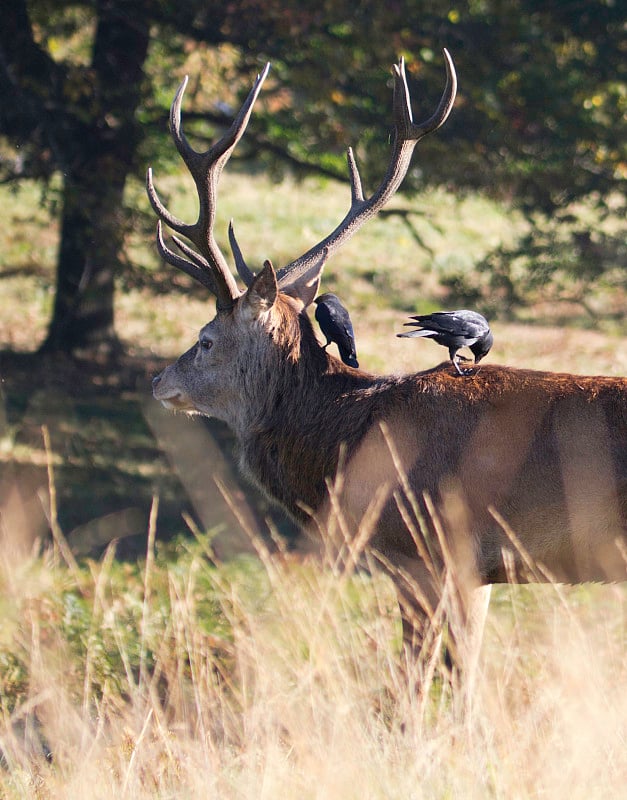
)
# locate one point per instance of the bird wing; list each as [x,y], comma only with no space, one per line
[343,326]
[468,324]
[340,317]
[334,320]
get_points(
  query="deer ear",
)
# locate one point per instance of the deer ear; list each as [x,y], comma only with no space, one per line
[263,291]
[305,293]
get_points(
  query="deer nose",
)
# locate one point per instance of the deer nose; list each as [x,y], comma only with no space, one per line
[155,381]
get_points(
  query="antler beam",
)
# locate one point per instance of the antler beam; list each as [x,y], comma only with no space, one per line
[208,265]
[305,270]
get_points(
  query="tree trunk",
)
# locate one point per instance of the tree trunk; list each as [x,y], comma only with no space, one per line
[92,229]
[88,257]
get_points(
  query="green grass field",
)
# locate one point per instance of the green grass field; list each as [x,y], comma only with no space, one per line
[189,663]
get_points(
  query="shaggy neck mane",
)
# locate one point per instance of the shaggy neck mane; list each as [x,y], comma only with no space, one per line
[293,429]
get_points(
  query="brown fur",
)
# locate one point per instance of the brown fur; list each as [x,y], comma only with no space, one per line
[547,451]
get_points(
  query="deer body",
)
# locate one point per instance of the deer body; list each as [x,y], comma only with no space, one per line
[501,437]
[427,467]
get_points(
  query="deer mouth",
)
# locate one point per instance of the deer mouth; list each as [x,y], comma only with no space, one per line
[176,402]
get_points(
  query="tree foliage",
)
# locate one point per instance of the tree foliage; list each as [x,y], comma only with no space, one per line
[540,119]
[542,102]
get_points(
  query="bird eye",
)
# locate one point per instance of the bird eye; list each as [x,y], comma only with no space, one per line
[205,344]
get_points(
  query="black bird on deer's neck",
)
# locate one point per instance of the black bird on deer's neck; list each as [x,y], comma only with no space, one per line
[335,324]
[455,329]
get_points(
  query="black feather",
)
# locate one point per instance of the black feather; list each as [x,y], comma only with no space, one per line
[335,324]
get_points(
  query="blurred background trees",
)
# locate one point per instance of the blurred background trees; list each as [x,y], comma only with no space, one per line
[539,122]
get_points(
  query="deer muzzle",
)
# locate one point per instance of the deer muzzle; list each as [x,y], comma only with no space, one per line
[170,397]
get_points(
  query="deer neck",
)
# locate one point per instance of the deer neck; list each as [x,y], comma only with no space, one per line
[290,440]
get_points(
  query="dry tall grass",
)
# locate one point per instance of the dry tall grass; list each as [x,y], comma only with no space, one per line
[275,678]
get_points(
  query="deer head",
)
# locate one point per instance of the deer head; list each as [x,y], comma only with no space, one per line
[262,329]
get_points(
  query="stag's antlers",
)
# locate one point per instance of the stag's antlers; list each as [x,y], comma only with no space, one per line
[301,277]
[407,134]
[209,267]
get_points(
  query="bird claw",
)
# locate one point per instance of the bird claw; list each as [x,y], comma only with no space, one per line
[460,371]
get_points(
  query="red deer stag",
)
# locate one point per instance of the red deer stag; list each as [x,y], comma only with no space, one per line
[500,456]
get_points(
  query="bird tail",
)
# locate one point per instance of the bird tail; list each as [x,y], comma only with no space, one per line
[413,334]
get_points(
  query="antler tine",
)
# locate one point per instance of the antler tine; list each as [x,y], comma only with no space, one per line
[202,275]
[402,102]
[205,169]
[357,192]
[193,256]
[160,210]
[245,273]
[302,272]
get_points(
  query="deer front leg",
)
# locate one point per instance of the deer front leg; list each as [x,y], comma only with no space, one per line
[430,601]
[420,601]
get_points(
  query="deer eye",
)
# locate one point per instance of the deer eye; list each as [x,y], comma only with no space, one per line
[205,344]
